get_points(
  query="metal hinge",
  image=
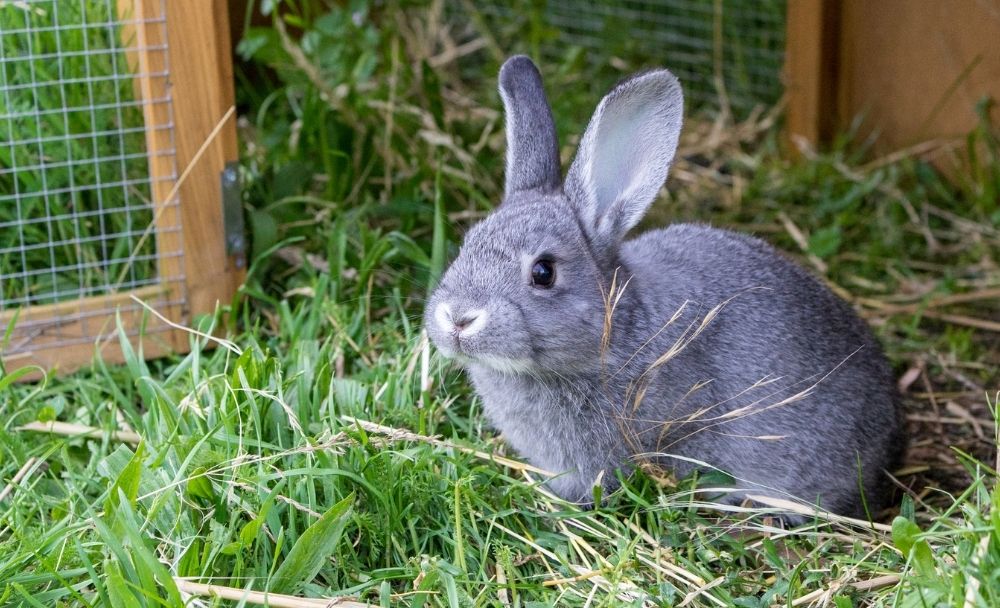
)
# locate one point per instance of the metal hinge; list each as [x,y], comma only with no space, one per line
[232,214]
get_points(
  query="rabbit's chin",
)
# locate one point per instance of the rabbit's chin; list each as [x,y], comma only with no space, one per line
[504,365]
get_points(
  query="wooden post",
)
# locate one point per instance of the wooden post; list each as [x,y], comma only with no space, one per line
[914,71]
[201,75]
[811,69]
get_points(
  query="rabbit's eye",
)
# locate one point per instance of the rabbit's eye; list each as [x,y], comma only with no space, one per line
[543,273]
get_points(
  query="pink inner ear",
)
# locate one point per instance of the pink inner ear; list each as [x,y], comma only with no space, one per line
[636,129]
[625,153]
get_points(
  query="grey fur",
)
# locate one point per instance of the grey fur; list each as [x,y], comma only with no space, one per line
[721,350]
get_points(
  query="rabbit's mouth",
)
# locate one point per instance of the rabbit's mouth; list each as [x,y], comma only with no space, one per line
[469,353]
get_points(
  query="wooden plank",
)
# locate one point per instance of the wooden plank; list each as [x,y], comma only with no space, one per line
[65,336]
[915,70]
[34,315]
[202,86]
[812,31]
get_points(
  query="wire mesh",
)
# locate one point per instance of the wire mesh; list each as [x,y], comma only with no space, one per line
[726,52]
[82,213]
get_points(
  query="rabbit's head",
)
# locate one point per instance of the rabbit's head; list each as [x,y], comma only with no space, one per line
[527,291]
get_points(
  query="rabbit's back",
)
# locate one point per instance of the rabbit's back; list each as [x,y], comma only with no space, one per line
[793,390]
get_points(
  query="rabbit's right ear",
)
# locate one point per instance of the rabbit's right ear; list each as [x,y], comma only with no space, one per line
[532,148]
[625,154]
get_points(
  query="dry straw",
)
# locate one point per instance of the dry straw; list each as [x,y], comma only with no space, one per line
[262,598]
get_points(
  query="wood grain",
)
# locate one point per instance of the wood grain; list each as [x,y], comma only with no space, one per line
[64,337]
[915,70]
[912,71]
[811,69]
[145,33]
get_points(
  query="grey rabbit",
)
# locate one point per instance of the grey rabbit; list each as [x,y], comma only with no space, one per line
[690,343]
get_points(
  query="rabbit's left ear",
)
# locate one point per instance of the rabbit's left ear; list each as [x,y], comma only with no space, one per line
[625,153]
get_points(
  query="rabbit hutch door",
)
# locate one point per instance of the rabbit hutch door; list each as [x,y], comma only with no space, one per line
[116,128]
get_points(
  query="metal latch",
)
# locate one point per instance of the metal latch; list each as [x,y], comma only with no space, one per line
[232,214]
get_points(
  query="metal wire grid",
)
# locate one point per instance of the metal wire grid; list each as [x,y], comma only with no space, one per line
[724,51]
[77,215]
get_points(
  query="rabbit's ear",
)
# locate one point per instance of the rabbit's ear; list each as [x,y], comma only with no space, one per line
[625,153]
[532,149]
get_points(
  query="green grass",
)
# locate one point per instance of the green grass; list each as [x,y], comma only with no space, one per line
[317,452]
[72,179]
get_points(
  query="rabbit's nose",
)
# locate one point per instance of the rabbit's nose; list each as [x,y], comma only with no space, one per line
[464,323]
[470,321]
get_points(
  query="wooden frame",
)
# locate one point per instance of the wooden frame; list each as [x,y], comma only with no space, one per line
[186,191]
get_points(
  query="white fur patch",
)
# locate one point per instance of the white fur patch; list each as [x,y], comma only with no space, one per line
[503,364]
[442,316]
